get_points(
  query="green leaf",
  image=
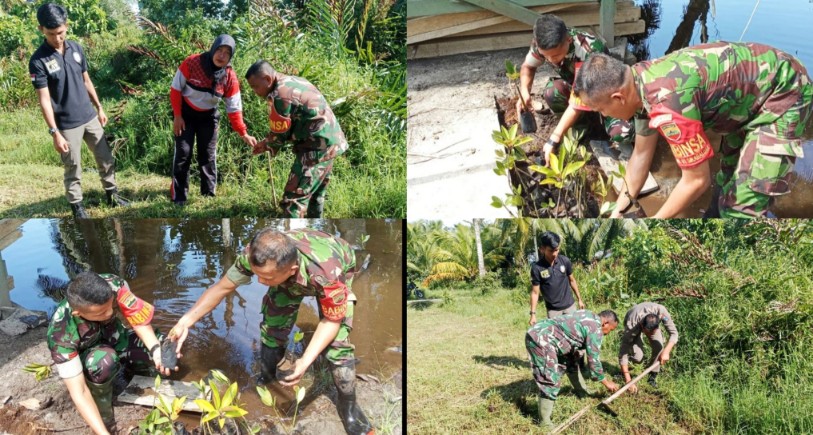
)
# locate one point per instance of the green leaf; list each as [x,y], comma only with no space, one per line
[265,396]
[606,208]
[220,376]
[622,170]
[543,169]
[161,420]
[548,181]
[208,417]
[496,202]
[500,153]
[221,422]
[204,405]
[228,398]
[215,394]
[234,412]
[157,382]
[572,167]
[555,165]
[300,394]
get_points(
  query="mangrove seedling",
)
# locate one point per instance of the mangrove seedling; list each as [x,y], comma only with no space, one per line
[270,401]
[40,371]
[506,161]
[222,409]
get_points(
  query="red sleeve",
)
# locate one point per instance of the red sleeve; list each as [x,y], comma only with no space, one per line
[334,301]
[236,120]
[685,136]
[175,99]
[135,310]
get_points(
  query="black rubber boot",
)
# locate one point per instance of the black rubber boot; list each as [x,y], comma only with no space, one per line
[653,379]
[79,211]
[103,396]
[269,358]
[114,200]
[353,418]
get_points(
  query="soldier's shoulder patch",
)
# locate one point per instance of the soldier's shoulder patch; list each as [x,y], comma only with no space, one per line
[279,123]
[128,299]
[660,120]
[671,131]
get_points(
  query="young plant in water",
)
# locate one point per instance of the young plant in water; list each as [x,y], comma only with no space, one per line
[270,401]
[40,371]
[506,161]
[223,408]
[160,420]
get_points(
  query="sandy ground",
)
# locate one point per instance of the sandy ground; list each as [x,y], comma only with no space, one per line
[61,416]
[450,153]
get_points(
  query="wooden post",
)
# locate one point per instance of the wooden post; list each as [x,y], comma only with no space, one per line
[607,21]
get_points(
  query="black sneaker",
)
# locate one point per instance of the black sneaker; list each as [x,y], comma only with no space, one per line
[79,211]
[114,200]
[653,380]
[180,204]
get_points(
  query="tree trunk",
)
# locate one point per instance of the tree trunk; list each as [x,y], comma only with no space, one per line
[480,263]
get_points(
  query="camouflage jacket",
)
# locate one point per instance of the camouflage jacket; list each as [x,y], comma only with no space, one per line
[580,330]
[721,86]
[584,44]
[69,335]
[326,268]
[299,113]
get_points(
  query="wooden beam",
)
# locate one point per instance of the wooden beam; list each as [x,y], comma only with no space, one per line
[509,9]
[422,8]
[471,25]
[420,25]
[495,42]
[573,19]
[607,22]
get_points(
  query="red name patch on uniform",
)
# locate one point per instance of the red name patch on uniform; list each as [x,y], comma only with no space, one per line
[685,136]
[334,301]
[279,123]
[135,310]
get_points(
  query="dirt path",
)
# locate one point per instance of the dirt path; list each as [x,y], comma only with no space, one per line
[17,352]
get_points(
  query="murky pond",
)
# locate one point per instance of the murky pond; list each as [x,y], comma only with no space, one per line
[675,24]
[171,262]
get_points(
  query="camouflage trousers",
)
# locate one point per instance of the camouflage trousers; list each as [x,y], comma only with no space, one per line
[304,194]
[104,360]
[576,359]
[547,361]
[756,164]
[280,309]
[635,350]
[556,95]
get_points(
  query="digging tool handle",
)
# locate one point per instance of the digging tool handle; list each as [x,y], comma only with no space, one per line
[606,401]
[271,179]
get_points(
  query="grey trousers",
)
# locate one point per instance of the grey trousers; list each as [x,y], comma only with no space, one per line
[635,350]
[568,310]
[93,135]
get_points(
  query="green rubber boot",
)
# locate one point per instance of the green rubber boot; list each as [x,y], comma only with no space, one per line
[103,396]
[579,385]
[545,410]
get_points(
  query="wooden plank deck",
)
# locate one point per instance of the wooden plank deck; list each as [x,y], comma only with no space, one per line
[140,392]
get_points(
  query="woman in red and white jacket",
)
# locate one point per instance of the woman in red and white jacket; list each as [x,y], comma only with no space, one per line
[200,83]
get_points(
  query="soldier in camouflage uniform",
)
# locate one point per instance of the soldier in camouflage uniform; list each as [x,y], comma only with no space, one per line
[90,345]
[756,96]
[552,341]
[295,264]
[564,50]
[299,113]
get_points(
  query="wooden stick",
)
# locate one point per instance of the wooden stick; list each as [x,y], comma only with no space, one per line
[606,401]
[271,179]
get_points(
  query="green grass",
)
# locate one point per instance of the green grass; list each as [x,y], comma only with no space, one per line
[26,150]
[469,373]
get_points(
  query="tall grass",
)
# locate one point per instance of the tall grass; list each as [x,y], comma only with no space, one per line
[132,67]
[742,304]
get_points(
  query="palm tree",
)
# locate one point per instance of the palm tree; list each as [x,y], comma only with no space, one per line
[480,262]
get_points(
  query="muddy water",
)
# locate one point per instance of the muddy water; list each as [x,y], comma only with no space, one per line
[171,262]
[675,24]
